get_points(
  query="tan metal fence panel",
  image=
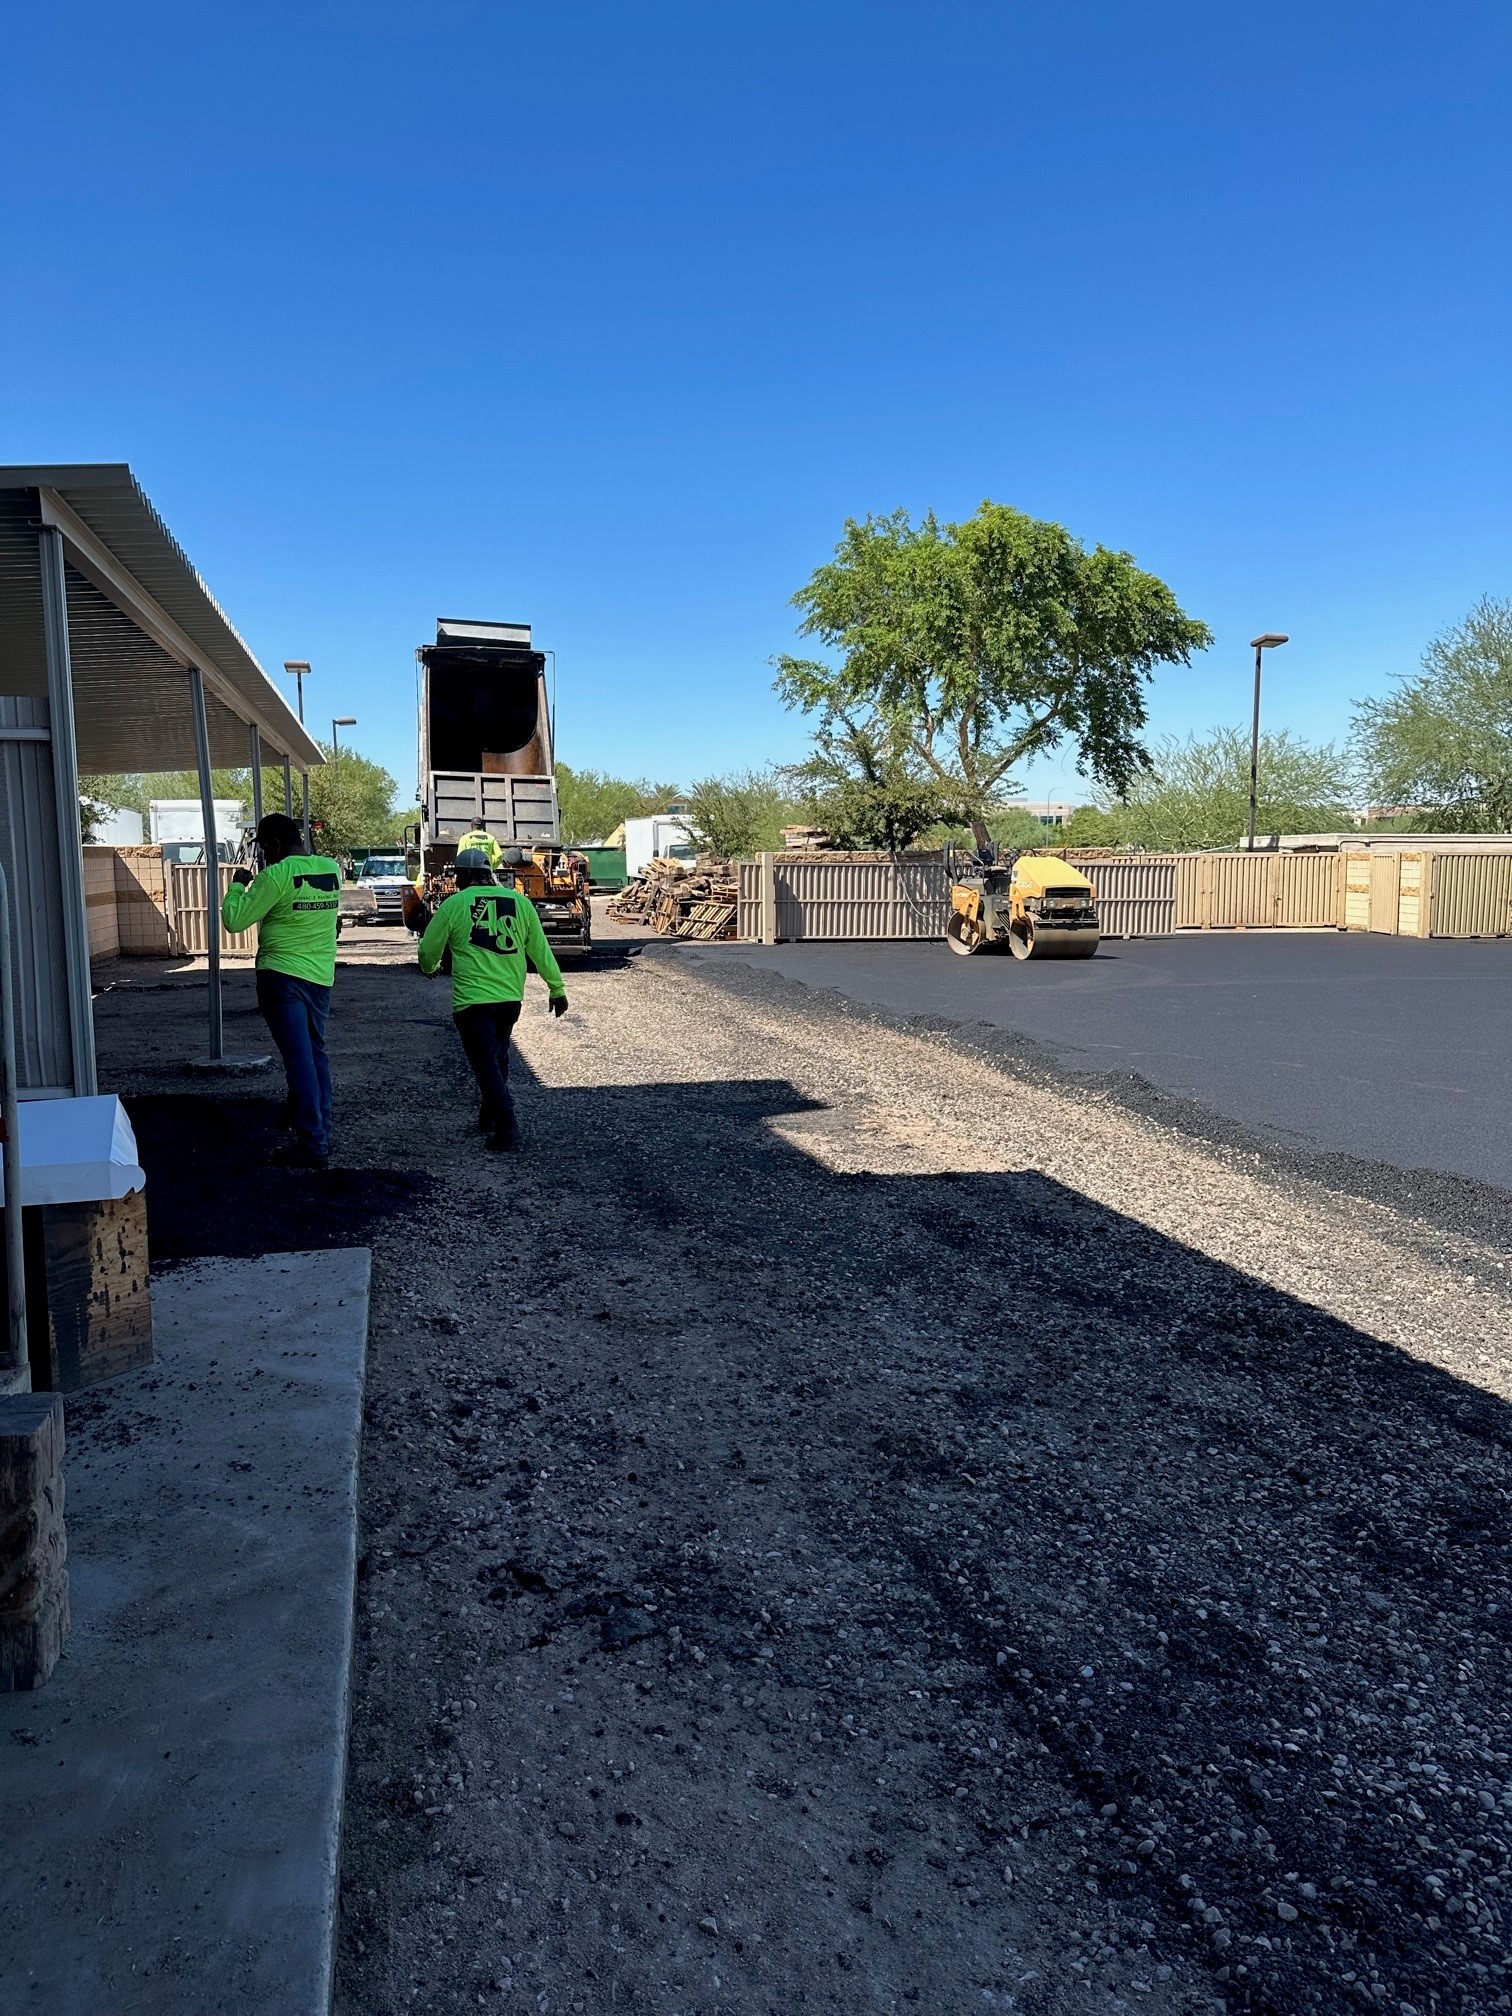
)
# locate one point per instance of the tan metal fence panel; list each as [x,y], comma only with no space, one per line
[862,899]
[189,917]
[1471,895]
[1136,898]
[1305,890]
[1384,893]
[748,900]
[1254,892]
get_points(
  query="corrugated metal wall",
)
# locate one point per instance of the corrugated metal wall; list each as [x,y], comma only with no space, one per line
[29,849]
[827,898]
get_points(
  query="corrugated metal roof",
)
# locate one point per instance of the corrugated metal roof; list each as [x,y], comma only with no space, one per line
[111,505]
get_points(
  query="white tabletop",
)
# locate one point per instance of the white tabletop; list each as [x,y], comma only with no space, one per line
[76,1151]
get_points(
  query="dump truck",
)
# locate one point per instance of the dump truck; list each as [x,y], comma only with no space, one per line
[1035,906]
[486,766]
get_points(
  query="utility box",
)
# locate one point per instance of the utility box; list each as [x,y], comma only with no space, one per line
[485,737]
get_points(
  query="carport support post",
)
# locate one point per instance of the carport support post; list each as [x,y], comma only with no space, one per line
[15,1374]
[256,776]
[288,790]
[65,769]
[212,858]
[768,898]
[304,785]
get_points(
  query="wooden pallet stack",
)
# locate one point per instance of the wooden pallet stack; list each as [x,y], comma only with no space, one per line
[681,901]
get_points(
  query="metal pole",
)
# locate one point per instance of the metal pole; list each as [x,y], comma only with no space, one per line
[212,858]
[15,1372]
[65,769]
[1255,749]
[304,774]
[257,811]
[288,790]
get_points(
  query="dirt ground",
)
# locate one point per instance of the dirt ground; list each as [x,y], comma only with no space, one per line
[855,1523]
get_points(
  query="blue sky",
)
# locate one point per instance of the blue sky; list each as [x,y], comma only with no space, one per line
[606,318]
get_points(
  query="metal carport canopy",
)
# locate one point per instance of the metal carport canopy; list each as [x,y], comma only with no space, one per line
[138,615]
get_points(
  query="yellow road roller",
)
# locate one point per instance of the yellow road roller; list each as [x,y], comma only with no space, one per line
[1037,905]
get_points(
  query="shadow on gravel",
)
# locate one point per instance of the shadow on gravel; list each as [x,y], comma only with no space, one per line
[1240,1569]
[209,1190]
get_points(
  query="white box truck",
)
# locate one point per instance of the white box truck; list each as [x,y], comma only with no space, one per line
[177,825]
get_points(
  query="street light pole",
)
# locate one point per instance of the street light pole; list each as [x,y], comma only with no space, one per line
[340,721]
[1260,645]
[299,667]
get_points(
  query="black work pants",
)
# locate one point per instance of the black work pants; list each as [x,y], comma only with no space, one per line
[485,1032]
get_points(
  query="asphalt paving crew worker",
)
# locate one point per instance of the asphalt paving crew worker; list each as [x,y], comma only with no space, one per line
[484,843]
[294,902]
[491,934]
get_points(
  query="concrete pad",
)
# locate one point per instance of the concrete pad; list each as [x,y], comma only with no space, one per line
[170,1803]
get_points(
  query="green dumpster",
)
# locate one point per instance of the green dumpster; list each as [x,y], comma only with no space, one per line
[606,866]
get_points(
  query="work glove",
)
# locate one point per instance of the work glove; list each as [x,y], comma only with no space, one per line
[558,1004]
[243,878]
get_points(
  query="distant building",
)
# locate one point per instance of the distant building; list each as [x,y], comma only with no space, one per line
[1046,811]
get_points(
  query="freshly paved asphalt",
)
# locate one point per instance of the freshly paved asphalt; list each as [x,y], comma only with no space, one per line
[1393,1049]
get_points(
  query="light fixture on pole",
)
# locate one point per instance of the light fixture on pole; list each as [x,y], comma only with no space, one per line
[299,667]
[1259,645]
[340,721]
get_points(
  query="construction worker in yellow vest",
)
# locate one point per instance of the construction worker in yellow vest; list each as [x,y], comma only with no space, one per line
[485,843]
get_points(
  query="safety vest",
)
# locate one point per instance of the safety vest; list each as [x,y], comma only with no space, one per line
[485,844]
[294,903]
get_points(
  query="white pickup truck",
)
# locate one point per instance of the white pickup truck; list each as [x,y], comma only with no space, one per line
[383,877]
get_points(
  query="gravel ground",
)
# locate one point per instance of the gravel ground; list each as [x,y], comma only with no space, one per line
[850,1526]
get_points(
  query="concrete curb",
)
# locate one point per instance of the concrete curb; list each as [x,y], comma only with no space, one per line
[171,1801]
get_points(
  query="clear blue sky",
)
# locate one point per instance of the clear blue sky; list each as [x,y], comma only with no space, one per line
[606,317]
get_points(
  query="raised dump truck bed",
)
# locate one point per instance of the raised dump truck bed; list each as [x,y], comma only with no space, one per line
[485,736]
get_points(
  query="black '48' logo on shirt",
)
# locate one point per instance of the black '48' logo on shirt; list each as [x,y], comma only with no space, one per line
[493,923]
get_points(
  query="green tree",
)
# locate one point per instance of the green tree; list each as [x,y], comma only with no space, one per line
[1443,740]
[351,802]
[866,793]
[977,645]
[592,803]
[1195,794]
[739,815]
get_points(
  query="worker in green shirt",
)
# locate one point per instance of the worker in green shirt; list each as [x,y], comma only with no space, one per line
[491,933]
[294,903]
[484,843]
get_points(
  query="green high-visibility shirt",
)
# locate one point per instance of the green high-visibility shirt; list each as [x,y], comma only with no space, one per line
[492,932]
[485,844]
[294,904]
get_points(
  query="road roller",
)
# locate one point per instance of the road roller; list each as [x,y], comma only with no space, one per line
[1037,905]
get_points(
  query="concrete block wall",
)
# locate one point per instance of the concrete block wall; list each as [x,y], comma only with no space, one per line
[126,898]
[100,902]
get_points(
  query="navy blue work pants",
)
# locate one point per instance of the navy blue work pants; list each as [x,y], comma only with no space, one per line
[485,1031]
[295,1012]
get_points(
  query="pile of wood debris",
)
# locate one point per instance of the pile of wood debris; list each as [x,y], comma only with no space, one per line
[681,901]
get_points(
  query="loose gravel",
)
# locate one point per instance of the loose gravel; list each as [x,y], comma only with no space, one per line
[850,1527]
